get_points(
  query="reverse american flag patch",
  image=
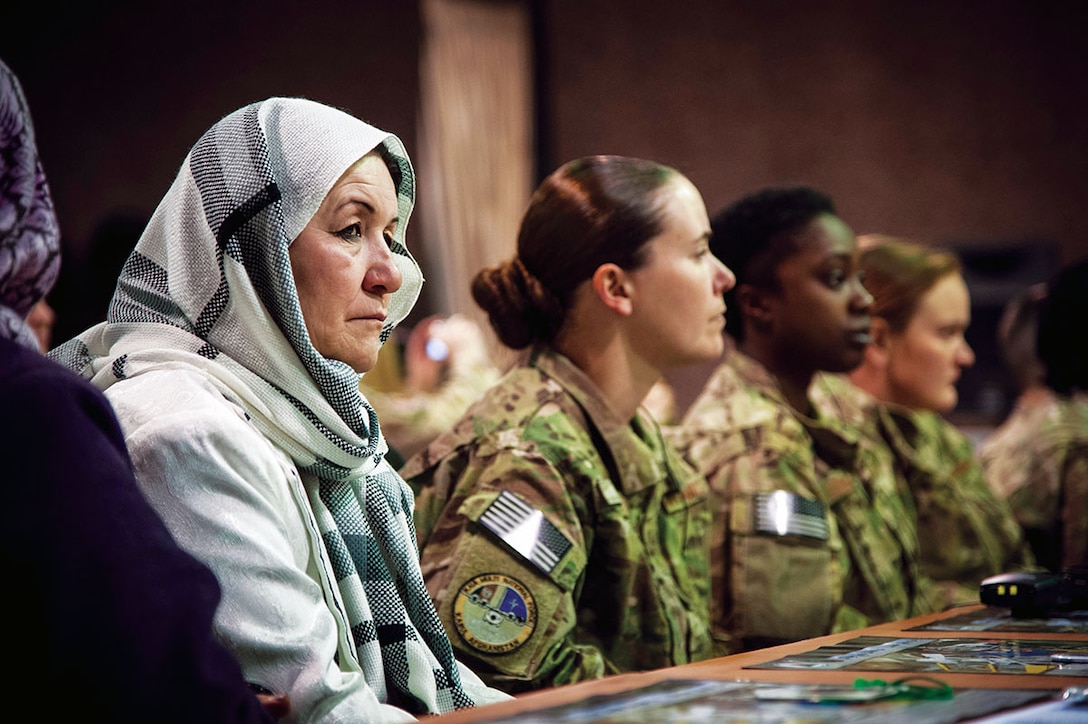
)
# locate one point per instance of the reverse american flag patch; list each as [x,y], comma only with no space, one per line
[526,530]
[782,513]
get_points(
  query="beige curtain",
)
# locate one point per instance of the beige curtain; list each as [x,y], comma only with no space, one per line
[475,161]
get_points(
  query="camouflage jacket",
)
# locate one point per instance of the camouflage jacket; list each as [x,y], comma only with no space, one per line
[969,533]
[845,554]
[559,542]
[1038,461]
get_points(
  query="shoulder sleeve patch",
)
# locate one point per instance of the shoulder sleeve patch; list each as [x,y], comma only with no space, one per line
[525,530]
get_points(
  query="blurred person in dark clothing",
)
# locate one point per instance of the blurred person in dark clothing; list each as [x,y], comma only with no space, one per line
[103,605]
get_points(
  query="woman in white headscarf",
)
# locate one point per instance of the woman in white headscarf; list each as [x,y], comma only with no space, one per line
[261,290]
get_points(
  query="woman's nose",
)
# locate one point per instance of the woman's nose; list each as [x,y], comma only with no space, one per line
[966,356]
[383,276]
[725,278]
[862,299]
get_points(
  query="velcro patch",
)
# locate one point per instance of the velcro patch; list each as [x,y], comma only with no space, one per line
[494,613]
[526,530]
[783,513]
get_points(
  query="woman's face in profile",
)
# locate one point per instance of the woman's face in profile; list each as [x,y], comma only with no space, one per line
[343,267]
[925,359]
[679,310]
[820,313]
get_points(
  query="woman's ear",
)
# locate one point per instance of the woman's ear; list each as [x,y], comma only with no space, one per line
[753,306]
[613,288]
[879,348]
[880,333]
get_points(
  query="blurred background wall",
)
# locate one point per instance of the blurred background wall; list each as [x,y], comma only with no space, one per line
[957,123]
[960,123]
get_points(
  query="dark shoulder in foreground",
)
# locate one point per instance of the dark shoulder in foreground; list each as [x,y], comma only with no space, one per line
[109,609]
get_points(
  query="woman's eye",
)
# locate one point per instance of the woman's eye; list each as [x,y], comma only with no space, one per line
[350,232]
[836,278]
[388,239]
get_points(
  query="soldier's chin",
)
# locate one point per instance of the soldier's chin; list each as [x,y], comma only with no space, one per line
[848,361]
[946,402]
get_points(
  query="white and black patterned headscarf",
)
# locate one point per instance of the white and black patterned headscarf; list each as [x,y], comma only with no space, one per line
[29,238]
[210,285]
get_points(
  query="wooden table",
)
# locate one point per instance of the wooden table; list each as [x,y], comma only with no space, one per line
[732,668]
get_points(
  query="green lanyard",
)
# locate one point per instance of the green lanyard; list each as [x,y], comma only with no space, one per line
[863,690]
[932,689]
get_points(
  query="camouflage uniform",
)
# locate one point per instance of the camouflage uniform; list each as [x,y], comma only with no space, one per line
[969,533]
[559,542]
[1038,461]
[854,566]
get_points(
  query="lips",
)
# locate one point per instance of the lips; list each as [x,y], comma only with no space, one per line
[860,335]
[375,317]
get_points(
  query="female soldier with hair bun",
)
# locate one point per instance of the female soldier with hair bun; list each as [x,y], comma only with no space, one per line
[562,538]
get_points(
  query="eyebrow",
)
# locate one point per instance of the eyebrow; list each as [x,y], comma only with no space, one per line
[840,256]
[366,205]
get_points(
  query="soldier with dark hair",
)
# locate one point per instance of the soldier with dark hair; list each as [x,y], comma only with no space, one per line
[804,540]
[1041,463]
[760,231]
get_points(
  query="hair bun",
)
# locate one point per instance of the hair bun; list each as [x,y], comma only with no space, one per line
[522,311]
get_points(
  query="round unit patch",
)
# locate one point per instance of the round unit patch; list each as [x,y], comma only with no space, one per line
[494,613]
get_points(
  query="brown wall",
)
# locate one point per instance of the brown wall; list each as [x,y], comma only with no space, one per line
[951,121]
[119,91]
[960,123]
[956,122]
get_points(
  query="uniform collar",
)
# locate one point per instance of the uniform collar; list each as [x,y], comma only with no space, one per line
[635,445]
[836,442]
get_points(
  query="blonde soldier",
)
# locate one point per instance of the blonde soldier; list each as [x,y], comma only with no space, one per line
[970,532]
[812,529]
[562,538]
[921,310]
